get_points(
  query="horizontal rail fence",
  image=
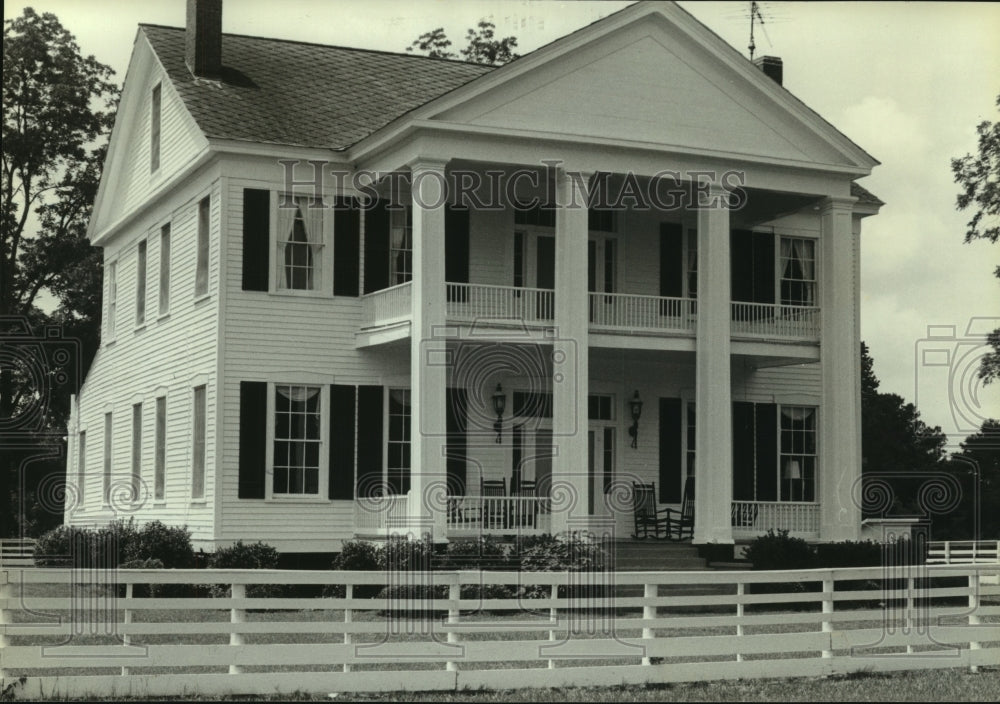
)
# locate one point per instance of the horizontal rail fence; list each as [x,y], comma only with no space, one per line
[797,517]
[74,634]
[963,552]
[472,302]
[17,552]
[635,313]
[389,305]
[767,320]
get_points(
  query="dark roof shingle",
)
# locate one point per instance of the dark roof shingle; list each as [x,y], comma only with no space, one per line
[864,195]
[298,94]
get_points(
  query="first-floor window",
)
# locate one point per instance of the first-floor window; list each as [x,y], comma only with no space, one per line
[198,443]
[398,449]
[797,462]
[689,455]
[297,439]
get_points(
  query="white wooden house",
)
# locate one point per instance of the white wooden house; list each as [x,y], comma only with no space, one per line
[304,375]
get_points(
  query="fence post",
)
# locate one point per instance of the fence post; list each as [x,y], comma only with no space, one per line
[973,617]
[554,618]
[909,612]
[127,638]
[947,552]
[237,616]
[650,591]
[348,618]
[6,592]
[454,594]
[828,609]
[740,591]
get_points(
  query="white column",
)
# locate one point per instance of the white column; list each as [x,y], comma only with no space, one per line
[570,358]
[713,393]
[428,370]
[840,359]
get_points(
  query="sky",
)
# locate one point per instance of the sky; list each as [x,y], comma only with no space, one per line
[908,82]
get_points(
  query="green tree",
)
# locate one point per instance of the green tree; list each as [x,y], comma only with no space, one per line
[979,178]
[58,107]
[482,46]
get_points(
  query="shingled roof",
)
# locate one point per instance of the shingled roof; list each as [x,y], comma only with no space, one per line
[299,94]
[864,195]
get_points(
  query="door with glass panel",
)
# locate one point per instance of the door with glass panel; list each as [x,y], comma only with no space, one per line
[602,266]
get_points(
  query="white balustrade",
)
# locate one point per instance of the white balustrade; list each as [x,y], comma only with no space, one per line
[380,513]
[760,516]
[389,305]
[768,320]
[500,514]
[472,302]
[630,312]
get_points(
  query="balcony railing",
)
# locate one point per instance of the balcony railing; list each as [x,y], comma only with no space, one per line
[767,320]
[498,514]
[471,302]
[379,514]
[389,305]
[626,312]
[755,517]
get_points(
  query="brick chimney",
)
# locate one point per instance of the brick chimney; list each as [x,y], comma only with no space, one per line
[203,40]
[771,66]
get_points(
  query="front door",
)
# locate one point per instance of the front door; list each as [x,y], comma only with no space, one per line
[602,268]
[601,468]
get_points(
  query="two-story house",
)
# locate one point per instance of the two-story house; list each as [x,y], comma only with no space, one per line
[351,291]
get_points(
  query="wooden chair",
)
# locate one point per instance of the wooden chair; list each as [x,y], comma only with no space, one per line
[524,513]
[683,524]
[493,513]
[646,515]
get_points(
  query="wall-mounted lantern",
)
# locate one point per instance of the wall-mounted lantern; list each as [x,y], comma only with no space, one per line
[499,405]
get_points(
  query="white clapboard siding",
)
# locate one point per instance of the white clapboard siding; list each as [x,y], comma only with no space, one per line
[168,355]
[683,628]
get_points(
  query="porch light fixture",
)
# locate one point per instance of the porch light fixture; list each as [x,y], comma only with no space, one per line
[635,406]
[499,404]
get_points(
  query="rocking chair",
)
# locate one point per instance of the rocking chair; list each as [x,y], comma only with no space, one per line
[647,516]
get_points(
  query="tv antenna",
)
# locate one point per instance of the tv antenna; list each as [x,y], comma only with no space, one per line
[755,17]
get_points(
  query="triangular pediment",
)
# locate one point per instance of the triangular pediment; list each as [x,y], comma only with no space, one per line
[652,81]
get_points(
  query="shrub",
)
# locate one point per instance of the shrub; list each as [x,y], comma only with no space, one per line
[483,553]
[359,556]
[405,555]
[142,591]
[52,549]
[170,545]
[83,547]
[777,551]
[576,553]
[243,556]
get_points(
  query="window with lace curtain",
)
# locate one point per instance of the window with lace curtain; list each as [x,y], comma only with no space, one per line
[797,463]
[400,246]
[797,264]
[300,242]
[297,440]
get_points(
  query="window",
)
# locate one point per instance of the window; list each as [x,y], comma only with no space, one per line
[602,220]
[140,285]
[112,298]
[798,272]
[797,462]
[398,449]
[154,129]
[198,444]
[690,438]
[136,450]
[164,306]
[600,407]
[159,467]
[300,242]
[297,439]
[691,263]
[106,489]
[538,215]
[81,469]
[400,246]
[201,272]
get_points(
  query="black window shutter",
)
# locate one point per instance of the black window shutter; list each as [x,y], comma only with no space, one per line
[741,263]
[253,439]
[763,267]
[457,441]
[766,417]
[377,247]
[671,259]
[743,451]
[341,484]
[346,246]
[256,238]
[369,440]
[456,244]
[670,450]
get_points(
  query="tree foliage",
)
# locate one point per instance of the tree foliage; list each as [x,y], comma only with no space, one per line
[482,45]
[979,178]
[58,107]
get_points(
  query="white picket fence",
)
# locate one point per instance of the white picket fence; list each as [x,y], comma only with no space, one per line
[77,633]
[963,552]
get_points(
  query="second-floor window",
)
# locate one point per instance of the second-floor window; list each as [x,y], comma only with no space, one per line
[797,265]
[400,246]
[140,284]
[201,270]
[300,242]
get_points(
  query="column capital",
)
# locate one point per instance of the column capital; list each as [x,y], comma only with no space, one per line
[832,204]
[427,163]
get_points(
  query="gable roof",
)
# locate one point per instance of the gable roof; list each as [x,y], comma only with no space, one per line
[270,92]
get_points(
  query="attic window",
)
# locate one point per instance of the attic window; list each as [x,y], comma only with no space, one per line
[154,129]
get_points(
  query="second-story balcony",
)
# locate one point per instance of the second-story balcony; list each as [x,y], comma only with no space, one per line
[610,313]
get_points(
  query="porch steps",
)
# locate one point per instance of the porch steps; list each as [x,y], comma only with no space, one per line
[656,555]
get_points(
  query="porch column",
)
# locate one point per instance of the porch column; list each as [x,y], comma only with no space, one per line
[570,357]
[713,393]
[428,370]
[840,360]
